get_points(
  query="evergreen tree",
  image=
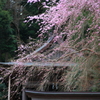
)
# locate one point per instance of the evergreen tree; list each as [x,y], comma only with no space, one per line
[7,35]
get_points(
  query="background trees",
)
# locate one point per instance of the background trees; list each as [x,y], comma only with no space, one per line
[7,35]
[13,30]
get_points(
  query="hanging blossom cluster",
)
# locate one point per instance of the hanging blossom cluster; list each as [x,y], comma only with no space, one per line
[78,20]
[58,14]
[68,10]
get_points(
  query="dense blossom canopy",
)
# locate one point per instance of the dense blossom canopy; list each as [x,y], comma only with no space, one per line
[62,18]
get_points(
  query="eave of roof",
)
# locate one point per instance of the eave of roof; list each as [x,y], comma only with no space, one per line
[63,95]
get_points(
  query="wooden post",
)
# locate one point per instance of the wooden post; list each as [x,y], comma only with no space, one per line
[9,83]
[23,94]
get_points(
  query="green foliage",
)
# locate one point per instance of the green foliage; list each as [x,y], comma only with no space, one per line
[7,35]
[5,20]
[2,3]
[30,29]
[33,9]
[27,31]
[3,92]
